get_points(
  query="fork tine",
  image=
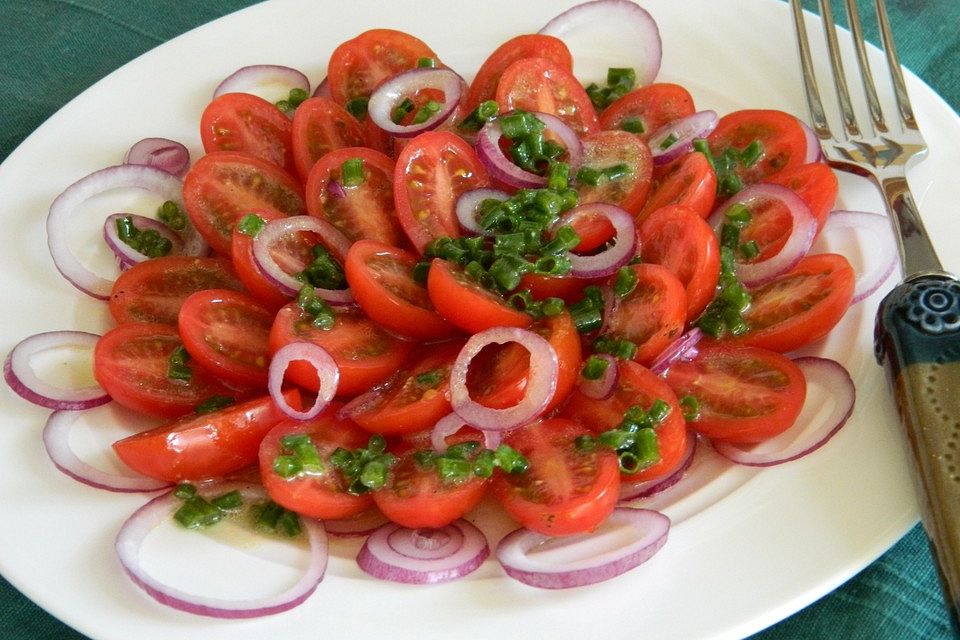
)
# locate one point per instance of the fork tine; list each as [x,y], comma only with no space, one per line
[814,104]
[896,74]
[856,29]
[836,64]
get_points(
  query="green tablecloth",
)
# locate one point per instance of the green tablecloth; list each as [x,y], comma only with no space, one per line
[52,50]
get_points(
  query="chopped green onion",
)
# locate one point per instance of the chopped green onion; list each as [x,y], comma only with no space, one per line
[427,111]
[322,313]
[668,142]
[251,225]
[626,282]
[402,110]
[185,490]
[229,501]
[633,125]
[691,408]
[594,368]
[358,107]
[177,368]
[351,172]
[172,215]
[426,63]
[214,403]
[430,379]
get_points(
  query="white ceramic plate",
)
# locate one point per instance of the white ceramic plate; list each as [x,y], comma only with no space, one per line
[747,548]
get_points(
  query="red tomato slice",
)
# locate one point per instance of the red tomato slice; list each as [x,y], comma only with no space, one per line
[746,394]
[224,186]
[567,288]
[784,142]
[610,148]
[227,333]
[432,171]
[320,126]
[208,445]
[364,352]
[653,106]
[484,85]
[637,385]
[154,290]
[255,282]
[362,211]
[464,303]
[247,123]
[540,84]
[565,490]
[131,362]
[381,278]
[318,495]
[815,183]
[690,181]
[652,315]
[677,238]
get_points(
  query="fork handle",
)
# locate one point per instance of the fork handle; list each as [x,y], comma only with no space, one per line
[917,254]
[918,342]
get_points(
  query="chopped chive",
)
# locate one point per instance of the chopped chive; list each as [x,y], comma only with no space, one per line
[668,142]
[229,501]
[430,379]
[196,512]
[402,110]
[749,250]
[185,490]
[626,282]
[251,225]
[177,368]
[357,107]
[691,407]
[633,125]
[426,112]
[426,63]
[172,215]
[594,368]
[351,172]
[213,403]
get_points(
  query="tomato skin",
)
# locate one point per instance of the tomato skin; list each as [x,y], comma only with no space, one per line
[690,181]
[609,148]
[131,363]
[210,445]
[154,290]
[320,126]
[564,491]
[245,122]
[815,183]
[540,84]
[381,279]
[254,281]
[746,394]
[322,495]
[655,105]
[465,304]
[227,333]
[784,142]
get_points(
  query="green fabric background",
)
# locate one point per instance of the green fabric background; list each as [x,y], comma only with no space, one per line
[51,50]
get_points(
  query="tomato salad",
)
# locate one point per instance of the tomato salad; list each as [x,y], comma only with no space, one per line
[401,294]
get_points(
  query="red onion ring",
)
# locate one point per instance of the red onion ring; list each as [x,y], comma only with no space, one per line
[802,232]
[541,380]
[322,90]
[627,539]
[449,425]
[56,440]
[362,524]
[274,232]
[20,376]
[611,303]
[684,131]
[423,556]
[814,152]
[126,255]
[828,385]
[256,78]
[138,526]
[603,387]
[618,26]
[316,356]
[392,91]
[169,155]
[466,209]
[615,255]
[884,251]
[679,349]
[503,169]
[138,176]
[646,488]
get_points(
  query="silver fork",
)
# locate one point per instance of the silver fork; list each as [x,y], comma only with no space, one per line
[917,336]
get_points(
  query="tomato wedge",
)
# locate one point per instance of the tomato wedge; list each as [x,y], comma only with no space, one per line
[780,134]
[534,45]
[320,126]
[464,303]
[540,84]
[248,123]
[647,109]
[611,148]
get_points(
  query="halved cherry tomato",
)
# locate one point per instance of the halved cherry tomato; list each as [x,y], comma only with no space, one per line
[227,333]
[636,386]
[783,140]
[320,494]
[464,303]
[320,126]
[689,181]
[484,85]
[540,84]
[567,288]
[652,315]
[381,278]
[223,186]
[769,227]
[611,148]
[677,238]
[154,290]
[253,278]
[245,122]
[815,183]
[208,445]
[132,363]
[432,171]
[364,352]
[652,106]
[746,394]
[566,489]
[364,210]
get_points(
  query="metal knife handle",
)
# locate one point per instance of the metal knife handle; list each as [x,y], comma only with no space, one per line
[918,342]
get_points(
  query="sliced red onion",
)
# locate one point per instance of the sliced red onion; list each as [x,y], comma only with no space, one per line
[831,395]
[135,530]
[611,303]
[814,152]
[322,90]
[362,524]
[56,440]
[627,539]
[616,26]
[467,205]
[803,229]
[317,357]
[540,388]
[336,190]
[679,349]
[615,255]
[126,255]
[423,556]
[603,387]
[646,488]
[257,79]
[503,169]
[169,155]
[273,234]
[396,89]
[449,425]
[138,176]
[682,133]
[883,251]
[19,373]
